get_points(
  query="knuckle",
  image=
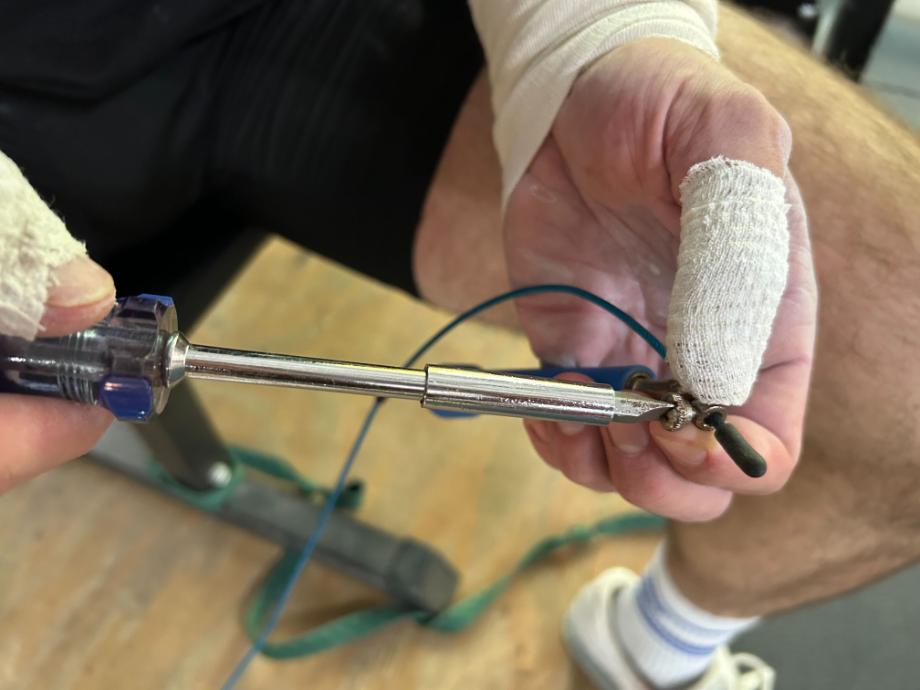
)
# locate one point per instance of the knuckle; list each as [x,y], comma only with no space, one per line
[746,110]
[747,104]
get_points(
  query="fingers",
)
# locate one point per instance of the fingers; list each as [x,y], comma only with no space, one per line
[41,433]
[629,439]
[657,469]
[648,480]
[82,294]
[577,452]
[623,458]
[574,449]
[589,457]
[697,456]
[683,474]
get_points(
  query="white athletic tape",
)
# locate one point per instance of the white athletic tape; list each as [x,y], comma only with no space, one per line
[536,49]
[33,241]
[731,272]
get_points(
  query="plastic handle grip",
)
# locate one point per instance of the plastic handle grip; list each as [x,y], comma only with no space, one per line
[116,364]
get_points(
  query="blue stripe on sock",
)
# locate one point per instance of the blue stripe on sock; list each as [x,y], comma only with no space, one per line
[689,626]
[648,606]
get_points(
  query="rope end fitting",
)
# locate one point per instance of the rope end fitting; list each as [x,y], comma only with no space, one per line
[706,417]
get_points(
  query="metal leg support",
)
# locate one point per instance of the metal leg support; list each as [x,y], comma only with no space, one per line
[183,442]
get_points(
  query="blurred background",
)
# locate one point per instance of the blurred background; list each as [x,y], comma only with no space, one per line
[875,42]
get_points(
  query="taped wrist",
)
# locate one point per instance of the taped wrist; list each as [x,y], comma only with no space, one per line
[537,48]
[731,273]
[33,241]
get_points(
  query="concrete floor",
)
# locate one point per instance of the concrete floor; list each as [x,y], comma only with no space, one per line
[869,640]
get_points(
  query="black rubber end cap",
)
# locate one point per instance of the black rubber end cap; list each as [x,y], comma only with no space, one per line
[739,450]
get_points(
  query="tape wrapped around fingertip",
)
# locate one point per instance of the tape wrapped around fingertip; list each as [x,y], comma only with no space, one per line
[732,267]
[33,242]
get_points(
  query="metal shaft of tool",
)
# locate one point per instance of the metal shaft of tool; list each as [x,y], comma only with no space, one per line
[303,372]
[444,388]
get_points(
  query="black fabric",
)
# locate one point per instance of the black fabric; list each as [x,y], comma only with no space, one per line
[322,120]
[87,49]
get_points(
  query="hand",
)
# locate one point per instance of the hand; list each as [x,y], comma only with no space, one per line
[599,208]
[40,433]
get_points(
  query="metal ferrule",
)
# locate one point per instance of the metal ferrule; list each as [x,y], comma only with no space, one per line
[483,392]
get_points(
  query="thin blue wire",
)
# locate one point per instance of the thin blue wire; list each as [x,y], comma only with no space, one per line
[633,325]
[333,497]
[306,552]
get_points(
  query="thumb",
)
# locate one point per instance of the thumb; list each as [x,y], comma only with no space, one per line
[732,262]
[42,267]
[82,293]
[724,117]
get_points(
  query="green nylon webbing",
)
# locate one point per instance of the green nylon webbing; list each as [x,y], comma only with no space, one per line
[212,499]
[352,626]
[454,618]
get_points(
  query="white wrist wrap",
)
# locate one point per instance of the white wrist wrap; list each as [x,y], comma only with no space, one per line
[536,49]
[33,241]
[731,273]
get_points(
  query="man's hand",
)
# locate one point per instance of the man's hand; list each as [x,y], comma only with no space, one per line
[40,433]
[599,208]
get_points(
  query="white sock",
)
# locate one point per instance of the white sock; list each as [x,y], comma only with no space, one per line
[669,639]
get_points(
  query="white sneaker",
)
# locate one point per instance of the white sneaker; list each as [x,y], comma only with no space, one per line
[594,647]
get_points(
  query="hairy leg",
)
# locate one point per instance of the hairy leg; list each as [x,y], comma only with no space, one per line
[851,513]
[459,258]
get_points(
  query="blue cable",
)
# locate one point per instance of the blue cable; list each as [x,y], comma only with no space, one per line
[633,325]
[332,499]
[306,552]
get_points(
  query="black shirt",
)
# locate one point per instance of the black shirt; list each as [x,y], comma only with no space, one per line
[86,49]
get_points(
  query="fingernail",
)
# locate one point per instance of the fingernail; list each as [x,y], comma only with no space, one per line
[570,428]
[78,282]
[629,439]
[689,445]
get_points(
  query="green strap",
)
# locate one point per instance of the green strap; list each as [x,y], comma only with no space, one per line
[453,619]
[212,499]
[208,501]
[350,498]
[355,625]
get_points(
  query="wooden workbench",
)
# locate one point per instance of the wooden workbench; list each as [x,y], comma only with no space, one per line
[105,584]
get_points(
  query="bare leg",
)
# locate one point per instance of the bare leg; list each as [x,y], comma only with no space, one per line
[459,259]
[851,513]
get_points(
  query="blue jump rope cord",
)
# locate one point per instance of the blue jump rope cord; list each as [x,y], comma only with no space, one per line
[330,503]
